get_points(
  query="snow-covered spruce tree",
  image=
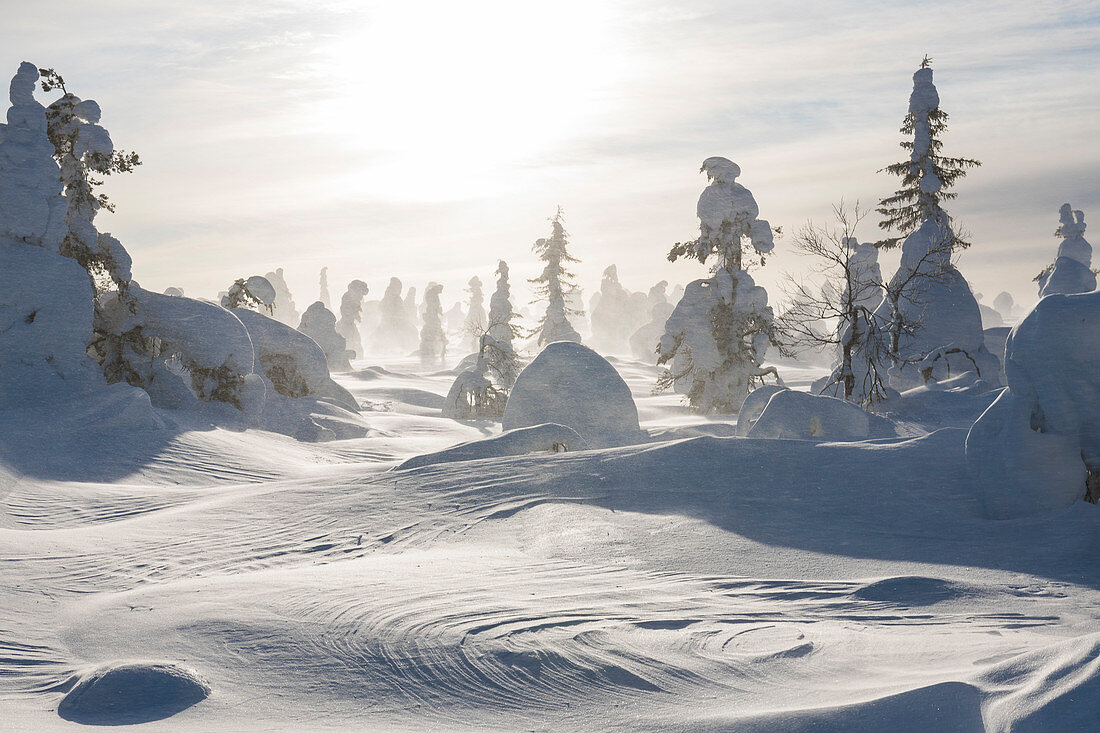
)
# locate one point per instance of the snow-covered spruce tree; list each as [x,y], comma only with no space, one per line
[84,151]
[283,309]
[840,314]
[718,333]
[611,319]
[325,296]
[500,354]
[254,293]
[1071,271]
[555,284]
[476,321]
[927,290]
[433,342]
[351,310]
[395,333]
[319,323]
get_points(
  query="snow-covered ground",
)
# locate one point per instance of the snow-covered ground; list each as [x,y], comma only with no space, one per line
[696,581]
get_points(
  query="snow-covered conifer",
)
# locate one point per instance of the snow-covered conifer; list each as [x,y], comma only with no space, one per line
[83,149]
[720,330]
[455,318]
[555,284]
[1071,271]
[283,309]
[319,323]
[611,319]
[476,321]
[473,395]
[433,342]
[395,332]
[501,357]
[935,325]
[325,296]
[351,308]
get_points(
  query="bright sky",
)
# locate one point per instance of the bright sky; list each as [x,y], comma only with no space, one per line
[427,140]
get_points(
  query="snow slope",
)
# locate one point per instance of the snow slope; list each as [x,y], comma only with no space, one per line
[705,583]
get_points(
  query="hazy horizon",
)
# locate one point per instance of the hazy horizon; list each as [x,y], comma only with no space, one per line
[428,140]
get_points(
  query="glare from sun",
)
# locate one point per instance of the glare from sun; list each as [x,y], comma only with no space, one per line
[448,99]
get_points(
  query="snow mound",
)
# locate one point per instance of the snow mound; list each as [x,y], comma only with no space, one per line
[753,405]
[535,439]
[45,327]
[132,693]
[1029,451]
[802,416]
[912,590]
[570,384]
[946,707]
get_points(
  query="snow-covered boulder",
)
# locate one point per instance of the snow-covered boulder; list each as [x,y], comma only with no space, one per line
[548,438]
[45,327]
[803,416]
[753,405]
[291,361]
[570,384]
[1072,270]
[1030,450]
[197,343]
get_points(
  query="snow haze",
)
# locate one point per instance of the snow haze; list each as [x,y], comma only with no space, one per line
[429,140]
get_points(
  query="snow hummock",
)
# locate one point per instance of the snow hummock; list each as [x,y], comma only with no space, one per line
[1072,270]
[132,693]
[544,438]
[1029,451]
[799,415]
[45,327]
[570,384]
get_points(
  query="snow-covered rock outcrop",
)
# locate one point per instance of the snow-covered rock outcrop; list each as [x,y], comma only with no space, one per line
[1030,451]
[570,384]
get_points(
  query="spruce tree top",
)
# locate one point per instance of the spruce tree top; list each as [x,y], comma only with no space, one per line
[927,176]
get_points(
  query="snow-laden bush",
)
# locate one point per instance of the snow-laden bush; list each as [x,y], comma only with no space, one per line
[1030,451]
[720,330]
[753,405]
[351,310]
[255,292]
[570,384]
[177,348]
[319,323]
[477,393]
[1072,269]
[799,415]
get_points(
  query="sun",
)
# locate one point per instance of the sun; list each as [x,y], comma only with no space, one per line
[446,99]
